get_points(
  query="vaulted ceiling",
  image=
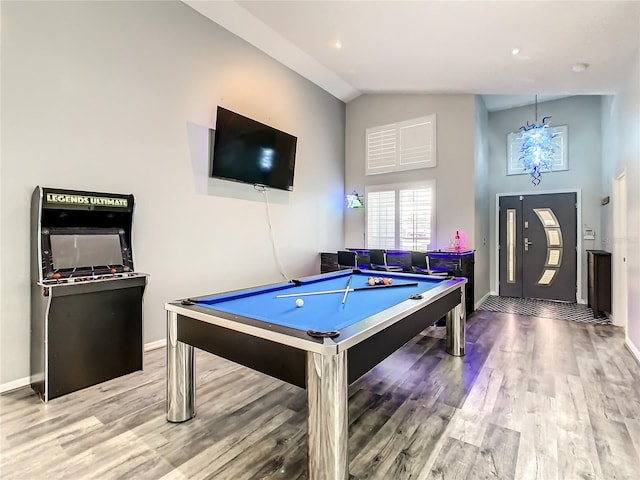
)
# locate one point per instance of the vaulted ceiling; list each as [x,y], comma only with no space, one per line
[507,51]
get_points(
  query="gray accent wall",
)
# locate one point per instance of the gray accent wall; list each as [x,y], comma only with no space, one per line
[119,97]
[454,173]
[582,116]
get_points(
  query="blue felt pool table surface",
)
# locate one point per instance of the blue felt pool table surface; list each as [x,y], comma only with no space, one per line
[322,313]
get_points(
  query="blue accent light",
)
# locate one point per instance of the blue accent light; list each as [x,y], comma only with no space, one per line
[537,148]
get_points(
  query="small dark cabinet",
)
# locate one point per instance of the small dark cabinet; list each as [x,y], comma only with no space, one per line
[460,264]
[599,281]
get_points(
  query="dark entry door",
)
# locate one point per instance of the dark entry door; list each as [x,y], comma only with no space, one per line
[538,240]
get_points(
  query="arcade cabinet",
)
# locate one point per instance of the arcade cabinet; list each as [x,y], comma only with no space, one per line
[86,297]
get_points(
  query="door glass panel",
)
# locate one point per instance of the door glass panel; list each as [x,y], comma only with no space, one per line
[554,237]
[547,277]
[511,245]
[547,217]
[554,257]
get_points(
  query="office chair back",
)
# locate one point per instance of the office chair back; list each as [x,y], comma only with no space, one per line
[420,264]
[378,259]
[347,259]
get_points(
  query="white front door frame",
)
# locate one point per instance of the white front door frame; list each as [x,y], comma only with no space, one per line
[619,288]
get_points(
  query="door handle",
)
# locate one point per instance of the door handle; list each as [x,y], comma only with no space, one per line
[526,244]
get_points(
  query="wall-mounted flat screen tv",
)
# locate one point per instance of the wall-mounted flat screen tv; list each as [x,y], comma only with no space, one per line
[248,151]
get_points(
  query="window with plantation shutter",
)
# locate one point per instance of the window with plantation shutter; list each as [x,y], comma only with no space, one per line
[401,216]
[415,218]
[381,149]
[381,227]
[400,146]
[560,158]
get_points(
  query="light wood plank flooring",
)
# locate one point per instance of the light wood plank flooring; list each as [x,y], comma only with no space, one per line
[534,398]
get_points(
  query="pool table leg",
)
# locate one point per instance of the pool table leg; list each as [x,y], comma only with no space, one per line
[181,387]
[328,416]
[456,327]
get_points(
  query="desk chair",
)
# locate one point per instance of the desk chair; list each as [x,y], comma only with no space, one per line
[378,259]
[347,259]
[420,264]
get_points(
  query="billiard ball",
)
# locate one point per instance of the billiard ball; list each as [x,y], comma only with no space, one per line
[299,302]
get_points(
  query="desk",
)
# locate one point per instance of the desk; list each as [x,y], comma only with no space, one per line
[256,329]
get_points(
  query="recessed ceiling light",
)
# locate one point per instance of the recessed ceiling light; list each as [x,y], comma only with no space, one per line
[580,67]
[515,51]
[337,44]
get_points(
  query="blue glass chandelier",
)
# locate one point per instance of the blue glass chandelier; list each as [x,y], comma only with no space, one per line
[537,148]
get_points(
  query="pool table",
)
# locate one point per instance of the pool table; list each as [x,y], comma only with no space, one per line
[324,345]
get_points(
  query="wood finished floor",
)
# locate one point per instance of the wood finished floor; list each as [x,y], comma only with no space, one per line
[534,398]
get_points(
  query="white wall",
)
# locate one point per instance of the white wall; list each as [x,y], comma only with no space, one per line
[118,97]
[621,153]
[454,173]
[582,116]
[482,203]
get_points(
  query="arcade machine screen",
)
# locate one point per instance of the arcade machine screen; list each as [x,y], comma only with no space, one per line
[71,253]
[73,250]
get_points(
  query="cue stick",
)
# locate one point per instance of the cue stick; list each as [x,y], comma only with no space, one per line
[346,292]
[413,284]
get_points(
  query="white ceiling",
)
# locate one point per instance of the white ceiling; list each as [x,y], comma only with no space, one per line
[446,46]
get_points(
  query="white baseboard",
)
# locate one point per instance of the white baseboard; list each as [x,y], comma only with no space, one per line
[481,301]
[154,345]
[633,349]
[23,382]
[19,383]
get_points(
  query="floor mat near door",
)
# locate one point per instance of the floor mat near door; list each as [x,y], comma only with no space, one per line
[543,308]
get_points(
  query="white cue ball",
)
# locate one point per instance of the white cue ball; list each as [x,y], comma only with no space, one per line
[299,302]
